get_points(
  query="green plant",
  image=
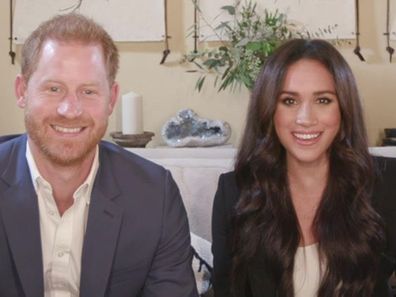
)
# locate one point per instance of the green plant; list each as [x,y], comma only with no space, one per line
[245,43]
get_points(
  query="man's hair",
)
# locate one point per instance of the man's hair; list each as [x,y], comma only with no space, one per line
[71,27]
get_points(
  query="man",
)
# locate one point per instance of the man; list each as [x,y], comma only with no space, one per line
[81,217]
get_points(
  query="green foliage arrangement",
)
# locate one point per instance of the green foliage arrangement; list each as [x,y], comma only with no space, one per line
[245,43]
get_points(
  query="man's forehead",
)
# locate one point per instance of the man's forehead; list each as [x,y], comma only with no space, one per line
[51,47]
[53,43]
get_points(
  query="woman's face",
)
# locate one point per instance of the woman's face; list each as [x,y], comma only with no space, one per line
[307,116]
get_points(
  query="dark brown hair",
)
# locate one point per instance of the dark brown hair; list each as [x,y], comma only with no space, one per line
[348,229]
[71,27]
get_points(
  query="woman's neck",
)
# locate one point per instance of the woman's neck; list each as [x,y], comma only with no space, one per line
[307,184]
[308,178]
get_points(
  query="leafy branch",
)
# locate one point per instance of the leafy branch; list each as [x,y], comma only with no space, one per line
[246,40]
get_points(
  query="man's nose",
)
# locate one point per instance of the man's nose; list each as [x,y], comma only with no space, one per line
[70,106]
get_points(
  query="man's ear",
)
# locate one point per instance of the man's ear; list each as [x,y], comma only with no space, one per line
[114,92]
[20,90]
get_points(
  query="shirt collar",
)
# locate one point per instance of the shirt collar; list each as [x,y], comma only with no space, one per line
[84,190]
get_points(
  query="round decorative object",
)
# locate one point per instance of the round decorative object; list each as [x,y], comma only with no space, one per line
[132,140]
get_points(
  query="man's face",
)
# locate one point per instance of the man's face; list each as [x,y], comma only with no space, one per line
[67,102]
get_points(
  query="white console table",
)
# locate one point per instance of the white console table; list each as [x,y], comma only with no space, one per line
[196,172]
[385,151]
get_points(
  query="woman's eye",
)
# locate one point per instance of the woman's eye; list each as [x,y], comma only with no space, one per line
[288,101]
[324,100]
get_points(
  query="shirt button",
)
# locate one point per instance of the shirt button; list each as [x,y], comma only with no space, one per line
[60,254]
[51,212]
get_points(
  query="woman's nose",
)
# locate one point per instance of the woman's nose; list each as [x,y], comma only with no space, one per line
[306,115]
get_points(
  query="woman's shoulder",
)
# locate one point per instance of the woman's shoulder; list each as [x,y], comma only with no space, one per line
[228,181]
[228,178]
[227,189]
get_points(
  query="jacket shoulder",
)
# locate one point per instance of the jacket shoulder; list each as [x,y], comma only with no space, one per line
[121,158]
[227,191]
[10,144]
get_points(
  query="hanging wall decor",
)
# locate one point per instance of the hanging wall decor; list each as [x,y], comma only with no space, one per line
[315,15]
[125,20]
[246,39]
[392,20]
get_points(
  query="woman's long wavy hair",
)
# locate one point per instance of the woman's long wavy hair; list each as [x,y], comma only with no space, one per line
[348,229]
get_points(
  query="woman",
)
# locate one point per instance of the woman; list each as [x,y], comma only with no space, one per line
[296,219]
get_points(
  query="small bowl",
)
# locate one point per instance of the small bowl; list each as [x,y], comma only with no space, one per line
[390,132]
[132,140]
[389,142]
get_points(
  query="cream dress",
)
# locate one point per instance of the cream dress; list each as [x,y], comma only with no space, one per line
[307,272]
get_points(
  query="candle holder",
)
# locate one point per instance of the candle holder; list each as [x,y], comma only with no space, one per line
[132,140]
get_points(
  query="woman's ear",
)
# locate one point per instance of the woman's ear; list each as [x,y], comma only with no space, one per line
[20,89]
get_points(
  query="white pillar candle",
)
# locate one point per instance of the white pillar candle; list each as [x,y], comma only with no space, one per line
[132,113]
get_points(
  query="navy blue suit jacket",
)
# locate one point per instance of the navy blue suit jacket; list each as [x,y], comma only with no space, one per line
[137,238]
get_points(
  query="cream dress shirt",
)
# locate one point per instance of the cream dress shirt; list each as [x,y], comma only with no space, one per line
[62,236]
[307,271]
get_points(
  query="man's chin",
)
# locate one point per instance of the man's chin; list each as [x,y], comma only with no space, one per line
[68,155]
[67,159]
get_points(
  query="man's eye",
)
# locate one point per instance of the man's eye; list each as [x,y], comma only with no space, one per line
[288,101]
[88,92]
[55,89]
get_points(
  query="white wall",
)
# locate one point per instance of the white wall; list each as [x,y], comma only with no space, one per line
[168,88]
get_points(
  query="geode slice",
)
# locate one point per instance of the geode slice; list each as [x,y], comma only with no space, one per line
[187,129]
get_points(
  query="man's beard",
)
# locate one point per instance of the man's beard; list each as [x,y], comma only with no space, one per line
[67,152]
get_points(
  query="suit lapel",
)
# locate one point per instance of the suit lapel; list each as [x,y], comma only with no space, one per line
[20,214]
[102,231]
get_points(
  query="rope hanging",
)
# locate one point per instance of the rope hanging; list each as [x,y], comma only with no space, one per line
[195,36]
[166,51]
[356,51]
[11,38]
[389,49]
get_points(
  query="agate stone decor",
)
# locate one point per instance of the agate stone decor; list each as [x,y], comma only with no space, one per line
[187,129]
